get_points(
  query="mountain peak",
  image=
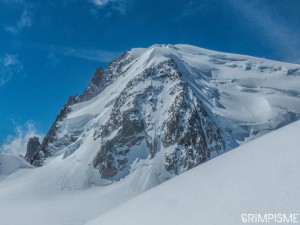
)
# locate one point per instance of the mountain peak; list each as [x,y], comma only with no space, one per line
[172,107]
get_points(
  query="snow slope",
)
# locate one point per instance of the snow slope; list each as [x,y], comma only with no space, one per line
[49,196]
[261,176]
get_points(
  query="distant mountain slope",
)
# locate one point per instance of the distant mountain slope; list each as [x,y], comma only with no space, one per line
[261,176]
[172,107]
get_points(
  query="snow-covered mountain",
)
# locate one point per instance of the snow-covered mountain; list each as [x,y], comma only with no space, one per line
[171,107]
[152,114]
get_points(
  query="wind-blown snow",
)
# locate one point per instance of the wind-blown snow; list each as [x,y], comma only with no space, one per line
[261,176]
[16,144]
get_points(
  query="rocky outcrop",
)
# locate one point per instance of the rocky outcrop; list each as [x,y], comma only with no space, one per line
[102,78]
[33,147]
[52,141]
[113,155]
[190,134]
[95,85]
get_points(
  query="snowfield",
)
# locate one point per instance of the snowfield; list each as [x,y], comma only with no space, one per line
[261,176]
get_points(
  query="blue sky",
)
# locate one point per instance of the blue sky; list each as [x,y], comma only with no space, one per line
[50,49]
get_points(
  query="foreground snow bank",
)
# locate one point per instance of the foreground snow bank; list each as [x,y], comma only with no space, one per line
[261,176]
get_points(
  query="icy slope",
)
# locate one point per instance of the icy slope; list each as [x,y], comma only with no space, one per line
[261,176]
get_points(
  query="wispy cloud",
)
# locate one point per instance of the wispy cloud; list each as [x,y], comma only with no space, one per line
[53,59]
[24,21]
[274,28]
[83,53]
[9,65]
[12,1]
[17,143]
[190,8]
[90,54]
[101,3]
[118,5]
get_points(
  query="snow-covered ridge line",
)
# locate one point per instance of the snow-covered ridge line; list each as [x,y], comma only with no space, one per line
[136,52]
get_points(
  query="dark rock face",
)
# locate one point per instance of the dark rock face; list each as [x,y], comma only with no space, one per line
[93,88]
[51,140]
[33,147]
[293,72]
[102,78]
[191,133]
[113,155]
[188,132]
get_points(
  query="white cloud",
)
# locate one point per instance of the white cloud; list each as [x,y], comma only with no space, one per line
[25,21]
[9,65]
[101,3]
[16,144]
[118,5]
[190,8]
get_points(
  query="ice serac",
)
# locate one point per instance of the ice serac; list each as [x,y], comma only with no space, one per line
[171,108]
